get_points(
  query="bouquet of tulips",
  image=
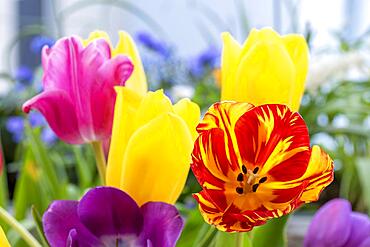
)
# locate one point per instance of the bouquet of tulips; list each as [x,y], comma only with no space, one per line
[250,152]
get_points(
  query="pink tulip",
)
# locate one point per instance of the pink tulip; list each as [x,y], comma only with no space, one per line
[78,97]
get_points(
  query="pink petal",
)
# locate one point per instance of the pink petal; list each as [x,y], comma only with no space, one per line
[58,110]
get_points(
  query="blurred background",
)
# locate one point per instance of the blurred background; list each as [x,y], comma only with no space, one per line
[180,45]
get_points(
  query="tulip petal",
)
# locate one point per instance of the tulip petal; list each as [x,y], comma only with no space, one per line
[330,225]
[110,214]
[365,243]
[265,75]
[229,60]
[274,139]
[126,46]
[152,105]
[96,35]
[126,106]
[190,113]
[164,156]
[319,174]
[360,229]
[56,106]
[3,240]
[256,36]
[116,71]
[162,224]
[60,219]
[297,48]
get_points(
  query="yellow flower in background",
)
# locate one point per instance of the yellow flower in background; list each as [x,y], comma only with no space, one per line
[126,46]
[3,240]
[266,69]
[151,145]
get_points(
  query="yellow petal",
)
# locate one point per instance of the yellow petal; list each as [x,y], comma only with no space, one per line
[319,174]
[126,46]
[229,61]
[297,48]
[152,105]
[3,240]
[190,113]
[265,75]
[96,35]
[127,103]
[157,160]
[256,36]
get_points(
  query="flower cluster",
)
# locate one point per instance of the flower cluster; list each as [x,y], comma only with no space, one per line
[251,153]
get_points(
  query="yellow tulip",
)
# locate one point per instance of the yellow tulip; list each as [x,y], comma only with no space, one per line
[151,145]
[267,69]
[127,47]
[3,240]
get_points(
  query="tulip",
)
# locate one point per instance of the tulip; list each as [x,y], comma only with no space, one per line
[126,46]
[334,224]
[151,145]
[3,240]
[107,216]
[266,69]
[79,79]
[255,163]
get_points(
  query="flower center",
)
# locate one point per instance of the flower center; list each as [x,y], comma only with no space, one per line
[249,180]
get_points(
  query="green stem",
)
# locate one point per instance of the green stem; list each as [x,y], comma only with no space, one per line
[14,224]
[239,239]
[101,164]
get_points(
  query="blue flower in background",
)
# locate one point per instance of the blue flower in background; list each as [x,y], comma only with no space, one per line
[23,74]
[153,44]
[15,126]
[209,58]
[38,42]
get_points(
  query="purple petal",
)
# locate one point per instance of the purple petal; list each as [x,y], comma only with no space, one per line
[58,222]
[331,225]
[360,229]
[58,110]
[109,212]
[162,225]
[365,243]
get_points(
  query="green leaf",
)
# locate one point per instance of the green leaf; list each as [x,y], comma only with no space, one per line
[193,223]
[38,222]
[205,236]
[53,184]
[271,232]
[363,170]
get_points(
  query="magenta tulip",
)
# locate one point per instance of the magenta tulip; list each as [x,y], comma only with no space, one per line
[78,89]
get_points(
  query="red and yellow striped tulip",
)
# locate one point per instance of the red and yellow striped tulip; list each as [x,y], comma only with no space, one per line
[255,163]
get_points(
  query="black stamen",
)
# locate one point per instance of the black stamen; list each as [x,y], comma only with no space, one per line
[240,177]
[244,169]
[255,187]
[262,180]
[239,190]
[255,170]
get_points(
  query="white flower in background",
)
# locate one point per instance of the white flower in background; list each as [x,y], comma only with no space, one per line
[182,91]
[325,68]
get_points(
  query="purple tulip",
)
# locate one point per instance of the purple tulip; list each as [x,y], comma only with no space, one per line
[107,216]
[335,225]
